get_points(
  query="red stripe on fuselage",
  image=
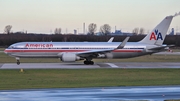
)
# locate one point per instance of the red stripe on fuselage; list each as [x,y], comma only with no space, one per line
[58,50]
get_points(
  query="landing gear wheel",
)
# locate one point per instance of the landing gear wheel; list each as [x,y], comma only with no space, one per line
[18,62]
[88,62]
[91,62]
[85,62]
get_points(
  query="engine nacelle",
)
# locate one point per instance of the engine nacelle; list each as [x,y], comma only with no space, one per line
[69,57]
[109,55]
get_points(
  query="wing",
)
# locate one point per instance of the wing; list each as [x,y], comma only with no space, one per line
[111,40]
[94,53]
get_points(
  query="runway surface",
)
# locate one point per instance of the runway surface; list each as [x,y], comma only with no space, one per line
[168,53]
[152,93]
[123,65]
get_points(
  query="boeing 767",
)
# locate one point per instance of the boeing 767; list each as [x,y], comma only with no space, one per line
[74,51]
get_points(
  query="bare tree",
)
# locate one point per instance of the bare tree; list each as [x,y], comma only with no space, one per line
[92,28]
[105,29]
[141,31]
[7,29]
[57,31]
[135,31]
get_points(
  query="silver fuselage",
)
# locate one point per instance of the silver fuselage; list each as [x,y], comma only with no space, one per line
[53,49]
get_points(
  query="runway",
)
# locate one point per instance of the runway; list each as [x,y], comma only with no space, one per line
[150,93]
[124,65]
[167,53]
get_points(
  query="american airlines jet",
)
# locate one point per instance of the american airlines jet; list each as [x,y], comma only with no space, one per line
[74,51]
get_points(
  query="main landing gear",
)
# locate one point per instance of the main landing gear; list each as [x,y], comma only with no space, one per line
[18,61]
[88,62]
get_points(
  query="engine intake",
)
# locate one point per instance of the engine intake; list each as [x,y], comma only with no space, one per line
[69,57]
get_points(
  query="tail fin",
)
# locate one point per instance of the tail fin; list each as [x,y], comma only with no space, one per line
[158,34]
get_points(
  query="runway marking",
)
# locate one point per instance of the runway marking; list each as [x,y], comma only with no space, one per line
[103,65]
[112,65]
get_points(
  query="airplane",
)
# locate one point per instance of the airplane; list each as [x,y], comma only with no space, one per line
[75,51]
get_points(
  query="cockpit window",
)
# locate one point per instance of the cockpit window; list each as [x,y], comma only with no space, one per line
[11,47]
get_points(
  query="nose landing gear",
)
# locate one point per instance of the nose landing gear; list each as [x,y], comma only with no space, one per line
[18,60]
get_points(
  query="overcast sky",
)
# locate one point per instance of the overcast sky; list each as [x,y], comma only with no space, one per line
[43,16]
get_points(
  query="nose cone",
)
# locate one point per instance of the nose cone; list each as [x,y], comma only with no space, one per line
[5,51]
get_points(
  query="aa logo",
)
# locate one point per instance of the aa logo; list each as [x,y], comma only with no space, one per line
[156,35]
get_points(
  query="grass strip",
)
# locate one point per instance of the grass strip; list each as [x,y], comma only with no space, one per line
[72,78]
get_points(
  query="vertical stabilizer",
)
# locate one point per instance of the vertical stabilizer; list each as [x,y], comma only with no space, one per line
[158,34]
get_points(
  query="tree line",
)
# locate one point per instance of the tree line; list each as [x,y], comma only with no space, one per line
[8,39]
[92,28]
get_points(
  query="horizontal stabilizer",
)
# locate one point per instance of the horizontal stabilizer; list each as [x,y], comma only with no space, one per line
[162,47]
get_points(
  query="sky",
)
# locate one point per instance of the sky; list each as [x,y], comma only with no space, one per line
[43,16]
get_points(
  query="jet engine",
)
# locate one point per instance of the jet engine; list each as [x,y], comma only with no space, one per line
[69,57]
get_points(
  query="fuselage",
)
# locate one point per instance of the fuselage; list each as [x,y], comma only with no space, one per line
[54,49]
